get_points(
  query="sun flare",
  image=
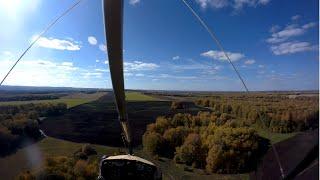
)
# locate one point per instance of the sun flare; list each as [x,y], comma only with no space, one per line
[10,7]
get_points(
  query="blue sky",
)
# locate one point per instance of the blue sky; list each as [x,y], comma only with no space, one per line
[274,44]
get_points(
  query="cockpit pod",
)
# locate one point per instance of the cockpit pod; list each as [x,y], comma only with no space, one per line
[129,167]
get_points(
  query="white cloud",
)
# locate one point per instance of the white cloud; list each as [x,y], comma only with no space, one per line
[239,4]
[292,47]
[236,4]
[139,75]
[282,42]
[216,4]
[106,62]
[6,54]
[295,17]
[67,64]
[49,72]
[166,76]
[59,44]
[309,25]
[101,70]
[97,60]
[288,32]
[88,75]
[264,2]
[103,47]
[261,66]
[203,77]
[212,70]
[134,2]
[41,73]
[92,40]
[139,66]
[127,74]
[219,55]
[204,68]
[175,57]
[249,61]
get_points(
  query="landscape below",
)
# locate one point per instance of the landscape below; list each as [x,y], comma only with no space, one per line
[204,135]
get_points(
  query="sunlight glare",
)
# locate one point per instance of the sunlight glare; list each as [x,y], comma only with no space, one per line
[10,8]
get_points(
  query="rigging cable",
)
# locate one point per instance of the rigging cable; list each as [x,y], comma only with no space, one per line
[213,36]
[41,34]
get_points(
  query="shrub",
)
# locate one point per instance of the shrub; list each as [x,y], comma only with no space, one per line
[191,152]
[80,155]
[175,137]
[181,120]
[178,105]
[88,150]
[26,175]
[61,167]
[161,125]
[80,168]
[153,143]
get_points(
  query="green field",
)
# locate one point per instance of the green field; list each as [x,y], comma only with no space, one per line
[273,137]
[138,96]
[71,100]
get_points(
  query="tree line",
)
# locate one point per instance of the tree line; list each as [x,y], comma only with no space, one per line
[28,97]
[20,122]
[278,112]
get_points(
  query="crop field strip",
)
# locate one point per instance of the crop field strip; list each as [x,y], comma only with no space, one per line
[71,100]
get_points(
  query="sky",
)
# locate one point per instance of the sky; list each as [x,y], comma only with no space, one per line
[274,44]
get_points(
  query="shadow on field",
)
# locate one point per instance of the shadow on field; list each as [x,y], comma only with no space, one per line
[97,122]
[299,157]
